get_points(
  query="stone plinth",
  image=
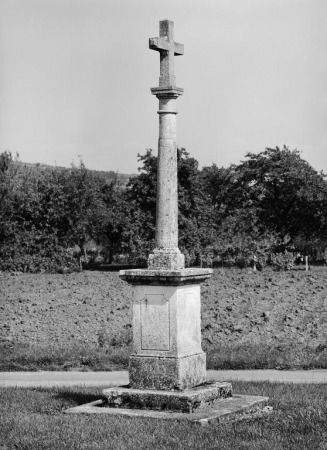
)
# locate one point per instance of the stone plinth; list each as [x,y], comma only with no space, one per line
[163,373]
[188,401]
[160,277]
[222,410]
[167,352]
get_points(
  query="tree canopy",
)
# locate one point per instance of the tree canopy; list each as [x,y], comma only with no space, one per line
[272,201]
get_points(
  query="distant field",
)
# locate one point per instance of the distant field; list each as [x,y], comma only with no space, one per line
[249,319]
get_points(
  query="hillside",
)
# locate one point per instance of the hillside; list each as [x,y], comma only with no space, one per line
[109,175]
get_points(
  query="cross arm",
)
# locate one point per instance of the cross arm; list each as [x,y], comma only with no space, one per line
[159,44]
[178,49]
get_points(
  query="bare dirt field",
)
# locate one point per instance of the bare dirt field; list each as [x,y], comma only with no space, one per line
[239,308]
[250,320]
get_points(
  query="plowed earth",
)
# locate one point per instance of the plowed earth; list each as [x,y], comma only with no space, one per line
[238,307]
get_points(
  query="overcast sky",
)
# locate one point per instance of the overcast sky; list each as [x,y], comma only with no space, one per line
[76,77]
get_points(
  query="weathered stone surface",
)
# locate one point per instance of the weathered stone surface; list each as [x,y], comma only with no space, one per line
[166,320]
[167,351]
[168,49]
[167,92]
[167,258]
[187,401]
[162,277]
[166,254]
[224,410]
[160,373]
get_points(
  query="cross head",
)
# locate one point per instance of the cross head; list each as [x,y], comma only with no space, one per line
[165,45]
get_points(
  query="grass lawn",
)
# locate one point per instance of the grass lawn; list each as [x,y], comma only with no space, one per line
[33,419]
[109,358]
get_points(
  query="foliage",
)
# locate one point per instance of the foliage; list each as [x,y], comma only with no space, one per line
[195,220]
[275,198]
[41,219]
[272,202]
[282,261]
[56,260]
[286,194]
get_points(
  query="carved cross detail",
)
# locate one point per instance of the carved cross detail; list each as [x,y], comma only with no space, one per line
[168,49]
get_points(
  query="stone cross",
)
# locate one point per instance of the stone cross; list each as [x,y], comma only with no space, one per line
[168,49]
[166,254]
[167,352]
[167,368]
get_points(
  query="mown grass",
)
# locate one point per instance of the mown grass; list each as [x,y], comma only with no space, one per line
[255,356]
[78,357]
[34,419]
[86,358]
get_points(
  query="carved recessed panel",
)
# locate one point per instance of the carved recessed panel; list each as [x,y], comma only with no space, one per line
[155,329]
[189,338]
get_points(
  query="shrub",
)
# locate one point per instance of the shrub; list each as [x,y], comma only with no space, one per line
[228,261]
[282,261]
[58,261]
[190,257]
[324,255]
[241,262]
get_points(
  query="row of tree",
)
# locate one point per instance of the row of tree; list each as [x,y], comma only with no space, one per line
[271,202]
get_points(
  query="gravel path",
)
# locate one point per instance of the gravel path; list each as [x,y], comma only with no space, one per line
[48,379]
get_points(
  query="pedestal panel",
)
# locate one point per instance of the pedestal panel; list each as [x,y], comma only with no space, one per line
[166,321]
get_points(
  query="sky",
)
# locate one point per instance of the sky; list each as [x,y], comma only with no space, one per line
[75,79]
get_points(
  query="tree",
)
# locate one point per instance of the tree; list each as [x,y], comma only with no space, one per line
[30,222]
[275,191]
[111,217]
[195,212]
[290,196]
[8,187]
[81,193]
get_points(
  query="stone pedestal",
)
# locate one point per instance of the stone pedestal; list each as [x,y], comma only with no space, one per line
[167,352]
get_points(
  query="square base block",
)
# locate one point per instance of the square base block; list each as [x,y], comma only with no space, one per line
[187,401]
[166,260]
[160,373]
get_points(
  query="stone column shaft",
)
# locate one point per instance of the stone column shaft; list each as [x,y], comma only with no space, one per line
[166,254]
[167,201]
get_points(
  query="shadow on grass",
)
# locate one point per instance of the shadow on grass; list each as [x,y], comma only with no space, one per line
[76,398]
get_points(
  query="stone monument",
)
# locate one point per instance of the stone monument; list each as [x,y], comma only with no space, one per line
[167,369]
[167,351]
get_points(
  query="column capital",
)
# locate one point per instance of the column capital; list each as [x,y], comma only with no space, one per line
[167,92]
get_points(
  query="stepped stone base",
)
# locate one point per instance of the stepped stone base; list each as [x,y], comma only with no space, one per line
[151,372]
[187,401]
[209,412]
